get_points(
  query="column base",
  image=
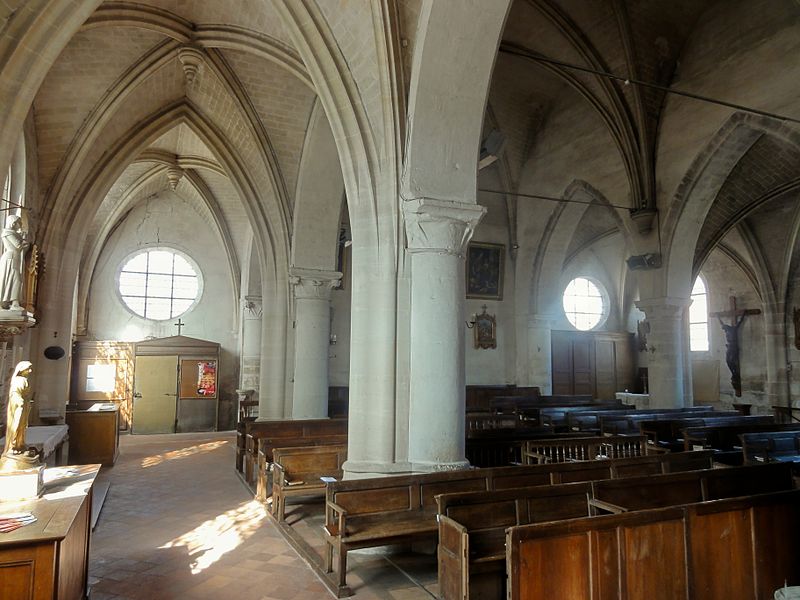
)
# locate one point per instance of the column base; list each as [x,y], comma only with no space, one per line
[435,467]
[364,469]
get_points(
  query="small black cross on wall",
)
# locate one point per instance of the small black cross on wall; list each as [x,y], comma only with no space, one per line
[179,325]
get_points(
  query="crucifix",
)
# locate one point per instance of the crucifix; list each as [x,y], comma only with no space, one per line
[732,339]
[179,325]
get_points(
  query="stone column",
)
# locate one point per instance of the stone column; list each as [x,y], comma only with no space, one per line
[250,366]
[668,348]
[312,292]
[437,234]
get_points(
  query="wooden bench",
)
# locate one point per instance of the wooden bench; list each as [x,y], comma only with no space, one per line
[625,424]
[298,472]
[480,421]
[741,548]
[771,446]
[591,448]
[266,450]
[366,513]
[478,396]
[503,447]
[513,403]
[471,550]
[290,429]
[667,432]
[590,420]
[724,440]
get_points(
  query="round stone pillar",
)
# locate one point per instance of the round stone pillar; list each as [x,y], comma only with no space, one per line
[437,234]
[312,292]
[668,368]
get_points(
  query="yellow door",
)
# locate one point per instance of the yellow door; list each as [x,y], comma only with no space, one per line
[156,394]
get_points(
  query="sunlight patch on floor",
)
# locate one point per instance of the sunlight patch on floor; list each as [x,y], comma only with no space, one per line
[211,540]
[157,459]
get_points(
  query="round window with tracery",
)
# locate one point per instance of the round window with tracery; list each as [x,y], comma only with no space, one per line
[584,304]
[159,284]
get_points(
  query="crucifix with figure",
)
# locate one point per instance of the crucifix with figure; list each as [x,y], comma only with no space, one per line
[732,339]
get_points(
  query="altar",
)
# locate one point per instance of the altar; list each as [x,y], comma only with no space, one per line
[52,442]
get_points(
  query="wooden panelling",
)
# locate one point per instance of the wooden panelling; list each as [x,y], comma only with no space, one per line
[595,363]
[565,562]
[27,572]
[654,561]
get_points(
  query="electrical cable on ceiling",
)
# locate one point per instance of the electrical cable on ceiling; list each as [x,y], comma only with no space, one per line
[628,81]
[552,198]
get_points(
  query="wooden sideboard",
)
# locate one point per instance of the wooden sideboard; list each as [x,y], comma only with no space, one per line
[94,434]
[49,559]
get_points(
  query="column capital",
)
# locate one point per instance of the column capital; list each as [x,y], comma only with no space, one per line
[440,226]
[313,284]
[663,308]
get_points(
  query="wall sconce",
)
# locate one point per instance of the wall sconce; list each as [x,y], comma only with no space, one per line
[471,323]
[333,339]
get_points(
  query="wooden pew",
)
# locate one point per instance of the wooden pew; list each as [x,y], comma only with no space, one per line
[625,424]
[741,548]
[290,429]
[298,472]
[267,447]
[480,421]
[591,448]
[667,433]
[724,440]
[512,403]
[771,446]
[471,550]
[641,493]
[590,420]
[366,513]
[557,417]
[503,447]
[478,396]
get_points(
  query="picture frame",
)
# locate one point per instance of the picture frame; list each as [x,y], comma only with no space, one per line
[485,266]
[485,331]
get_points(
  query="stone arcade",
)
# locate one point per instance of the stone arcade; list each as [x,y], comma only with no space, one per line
[296,185]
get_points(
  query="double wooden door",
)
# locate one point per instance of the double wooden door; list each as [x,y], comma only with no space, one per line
[599,364]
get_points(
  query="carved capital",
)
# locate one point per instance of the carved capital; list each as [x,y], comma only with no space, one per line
[313,284]
[663,308]
[440,226]
[192,59]
[254,306]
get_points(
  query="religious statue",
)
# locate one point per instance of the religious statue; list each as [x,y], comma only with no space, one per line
[732,351]
[17,413]
[12,263]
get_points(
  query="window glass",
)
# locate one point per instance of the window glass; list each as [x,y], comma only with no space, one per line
[584,304]
[159,284]
[698,317]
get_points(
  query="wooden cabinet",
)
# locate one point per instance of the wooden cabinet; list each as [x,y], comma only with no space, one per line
[48,559]
[94,435]
[596,363]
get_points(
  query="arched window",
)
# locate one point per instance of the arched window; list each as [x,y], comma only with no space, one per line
[585,304]
[698,317]
[159,283]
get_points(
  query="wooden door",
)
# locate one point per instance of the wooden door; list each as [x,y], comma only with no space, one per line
[583,365]
[156,394]
[562,363]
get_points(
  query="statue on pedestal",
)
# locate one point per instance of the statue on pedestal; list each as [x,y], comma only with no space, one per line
[12,263]
[16,453]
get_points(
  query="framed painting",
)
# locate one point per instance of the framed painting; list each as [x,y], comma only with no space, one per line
[485,264]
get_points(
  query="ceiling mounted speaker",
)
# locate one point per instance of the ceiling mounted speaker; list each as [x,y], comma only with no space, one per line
[54,352]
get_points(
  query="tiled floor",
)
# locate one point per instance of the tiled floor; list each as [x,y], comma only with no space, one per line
[178,523]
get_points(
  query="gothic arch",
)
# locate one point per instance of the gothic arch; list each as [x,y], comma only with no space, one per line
[698,190]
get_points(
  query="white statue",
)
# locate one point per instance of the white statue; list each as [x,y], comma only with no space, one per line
[12,263]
